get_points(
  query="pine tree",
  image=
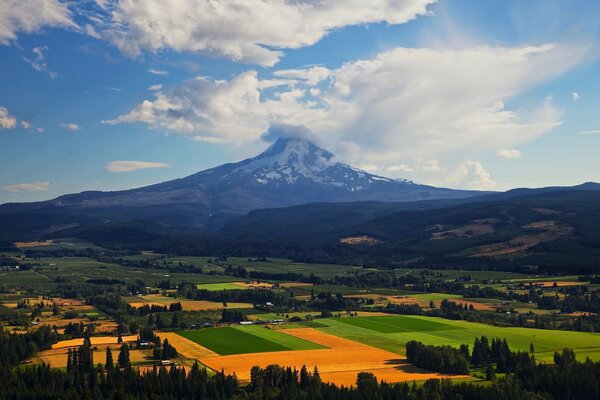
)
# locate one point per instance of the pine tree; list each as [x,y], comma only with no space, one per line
[109,359]
[124,356]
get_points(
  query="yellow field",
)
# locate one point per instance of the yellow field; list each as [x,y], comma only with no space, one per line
[58,357]
[187,305]
[97,340]
[254,285]
[185,347]
[293,284]
[339,363]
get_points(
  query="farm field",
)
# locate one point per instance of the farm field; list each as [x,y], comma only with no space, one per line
[338,359]
[96,340]
[241,340]
[57,358]
[219,286]
[187,305]
[391,333]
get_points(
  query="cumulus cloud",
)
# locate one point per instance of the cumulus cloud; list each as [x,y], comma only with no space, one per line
[252,32]
[128,166]
[70,126]
[7,121]
[509,153]
[28,187]
[29,16]
[227,111]
[471,175]
[575,96]
[404,106]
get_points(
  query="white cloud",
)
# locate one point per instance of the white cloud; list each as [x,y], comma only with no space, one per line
[590,132]
[155,88]
[400,168]
[25,124]
[432,166]
[128,166]
[70,126]
[471,175]
[404,104]
[38,60]
[39,130]
[155,71]
[312,75]
[575,96]
[7,121]
[231,111]
[28,187]
[29,16]
[509,153]
[252,32]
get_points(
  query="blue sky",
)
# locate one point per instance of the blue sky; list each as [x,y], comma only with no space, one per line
[109,95]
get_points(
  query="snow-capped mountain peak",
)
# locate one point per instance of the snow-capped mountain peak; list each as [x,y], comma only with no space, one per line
[290,160]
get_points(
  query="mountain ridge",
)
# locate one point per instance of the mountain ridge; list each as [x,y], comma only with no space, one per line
[291,171]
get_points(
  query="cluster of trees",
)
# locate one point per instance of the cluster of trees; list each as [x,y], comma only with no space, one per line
[485,354]
[154,308]
[18,347]
[437,358]
[228,315]
[164,351]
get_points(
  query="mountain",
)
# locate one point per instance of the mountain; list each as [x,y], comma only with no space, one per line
[555,229]
[292,171]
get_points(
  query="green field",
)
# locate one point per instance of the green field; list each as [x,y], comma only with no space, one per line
[435,296]
[391,333]
[219,286]
[250,339]
[392,324]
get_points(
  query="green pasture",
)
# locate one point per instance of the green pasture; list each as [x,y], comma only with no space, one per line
[391,333]
[219,286]
[248,339]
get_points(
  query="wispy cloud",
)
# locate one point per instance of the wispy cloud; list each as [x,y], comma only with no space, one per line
[155,71]
[70,126]
[113,89]
[28,187]
[509,153]
[155,87]
[590,132]
[128,166]
[38,61]
[575,96]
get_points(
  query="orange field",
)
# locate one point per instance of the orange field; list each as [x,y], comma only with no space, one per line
[561,283]
[339,363]
[96,340]
[25,245]
[185,347]
[58,357]
[194,305]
